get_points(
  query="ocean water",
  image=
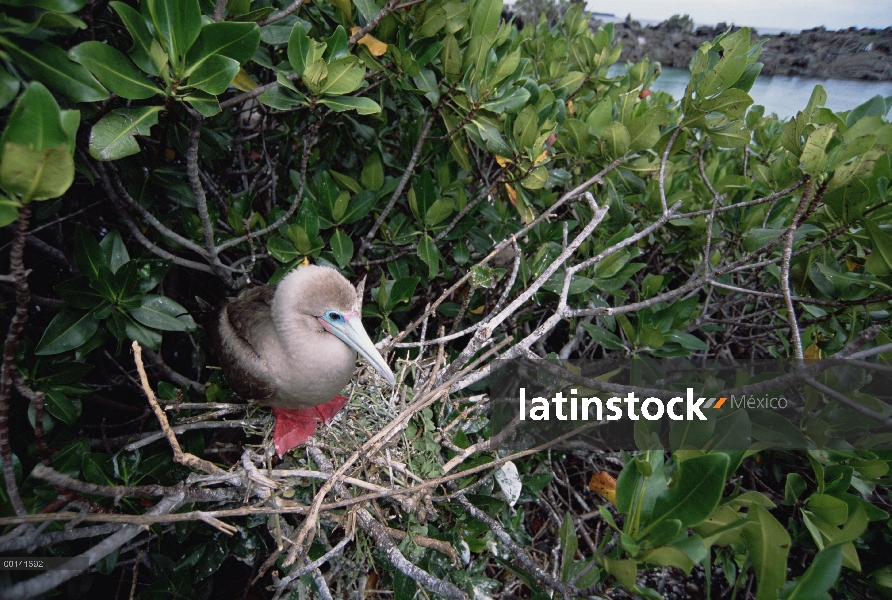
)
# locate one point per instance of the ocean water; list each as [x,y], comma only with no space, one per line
[784,96]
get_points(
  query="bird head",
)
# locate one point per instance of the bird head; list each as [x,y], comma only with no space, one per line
[325,294]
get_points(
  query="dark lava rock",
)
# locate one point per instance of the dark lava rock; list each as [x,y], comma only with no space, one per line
[864,54]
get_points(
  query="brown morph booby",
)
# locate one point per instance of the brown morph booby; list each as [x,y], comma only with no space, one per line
[293,347]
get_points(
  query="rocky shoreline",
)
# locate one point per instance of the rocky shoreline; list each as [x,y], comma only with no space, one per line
[861,54]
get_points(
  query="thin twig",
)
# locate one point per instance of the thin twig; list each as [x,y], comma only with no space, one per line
[179,456]
[416,153]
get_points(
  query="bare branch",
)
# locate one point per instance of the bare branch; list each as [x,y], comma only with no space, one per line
[785,271]
[47,581]
[19,318]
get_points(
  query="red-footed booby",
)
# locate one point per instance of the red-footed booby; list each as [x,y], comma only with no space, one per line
[293,347]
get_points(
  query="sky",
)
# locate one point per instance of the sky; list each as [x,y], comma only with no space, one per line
[772,14]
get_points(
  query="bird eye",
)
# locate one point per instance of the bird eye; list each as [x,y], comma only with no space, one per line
[335,317]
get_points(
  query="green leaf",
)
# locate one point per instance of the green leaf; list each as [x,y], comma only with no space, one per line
[115,251]
[433,21]
[50,65]
[88,254]
[35,120]
[882,244]
[336,44]
[113,137]
[578,284]
[68,330]
[875,107]
[344,76]
[644,131]
[205,103]
[697,492]
[730,67]
[362,105]
[135,331]
[367,8]
[179,23]
[618,139]
[438,211]
[832,510]
[526,127]
[624,571]
[160,312]
[9,87]
[569,545]
[282,250]
[359,206]
[731,135]
[485,16]
[668,556]
[77,293]
[640,483]
[607,339]
[342,247]
[142,39]
[450,57]
[302,50]
[427,251]
[510,102]
[402,290]
[822,573]
[114,70]
[62,407]
[9,211]
[731,103]
[814,155]
[372,177]
[237,41]
[686,340]
[492,139]
[314,74]
[36,174]
[214,75]
[768,544]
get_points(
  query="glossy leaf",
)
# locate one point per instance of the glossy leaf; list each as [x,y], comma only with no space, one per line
[768,544]
[51,66]
[401,291]
[302,50]
[113,137]
[114,70]
[820,576]
[142,39]
[35,120]
[344,76]
[342,247]
[237,41]
[178,22]
[363,106]
[68,330]
[214,75]
[697,492]
[160,312]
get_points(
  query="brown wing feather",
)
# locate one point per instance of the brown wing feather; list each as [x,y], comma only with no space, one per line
[239,320]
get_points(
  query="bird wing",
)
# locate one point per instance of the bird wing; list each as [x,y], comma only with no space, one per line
[242,324]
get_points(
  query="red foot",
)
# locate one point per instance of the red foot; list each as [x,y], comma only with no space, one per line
[294,426]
